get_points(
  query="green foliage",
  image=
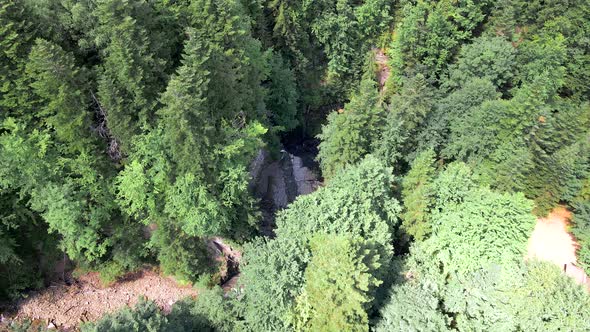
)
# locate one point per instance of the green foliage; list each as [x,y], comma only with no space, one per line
[418,196]
[69,193]
[532,142]
[342,31]
[211,311]
[412,307]
[337,280]
[17,34]
[454,185]
[541,298]
[523,296]
[60,86]
[429,33]
[491,227]
[468,274]
[282,95]
[409,110]
[347,28]
[357,203]
[22,232]
[493,58]
[532,296]
[52,160]
[581,231]
[188,175]
[550,126]
[469,266]
[469,113]
[146,316]
[390,145]
[274,273]
[181,255]
[23,236]
[7,254]
[134,50]
[485,117]
[472,226]
[474,300]
[348,136]
[520,19]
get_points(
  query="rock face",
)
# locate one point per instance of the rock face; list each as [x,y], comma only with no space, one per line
[260,161]
[229,262]
[271,185]
[278,182]
[305,177]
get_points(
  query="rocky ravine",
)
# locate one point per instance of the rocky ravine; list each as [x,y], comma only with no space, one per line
[65,306]
[278,182]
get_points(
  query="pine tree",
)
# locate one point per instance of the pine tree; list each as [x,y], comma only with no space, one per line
[135,59]
[188,175]
[61,87]
[409,110]
[429,33]
[282,97]
[418,196]
[337,280]
[17,35]
[349,136]
[274,270]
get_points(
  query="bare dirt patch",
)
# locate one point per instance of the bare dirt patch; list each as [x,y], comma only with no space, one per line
[67,307]
[383,68]
[551,241]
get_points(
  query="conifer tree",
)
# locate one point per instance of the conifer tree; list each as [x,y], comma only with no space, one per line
[189,174]
[337,280]
[282,97]
[349,135]
[418,196]
[409,110]
[135,58]
[429,33]
[17,34]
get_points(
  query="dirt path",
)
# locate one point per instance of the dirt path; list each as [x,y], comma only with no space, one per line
[384,71]
[67,306]
[551,241]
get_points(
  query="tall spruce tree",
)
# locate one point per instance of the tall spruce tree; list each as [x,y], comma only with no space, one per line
[135,60]
[348,136]
[189,174]
[418,196]
[337,283]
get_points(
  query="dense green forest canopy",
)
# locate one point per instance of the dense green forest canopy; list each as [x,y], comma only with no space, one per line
[127,129]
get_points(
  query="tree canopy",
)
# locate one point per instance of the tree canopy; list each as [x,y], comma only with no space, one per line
[139,134]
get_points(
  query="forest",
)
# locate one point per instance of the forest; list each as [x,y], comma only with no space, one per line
[443,129]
